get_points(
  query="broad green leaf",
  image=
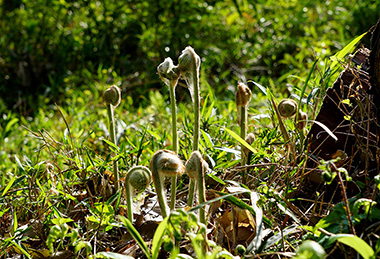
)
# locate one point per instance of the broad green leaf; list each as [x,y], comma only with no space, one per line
[54,233]
[136,235]
[356,243]
[377,181]
[224,254]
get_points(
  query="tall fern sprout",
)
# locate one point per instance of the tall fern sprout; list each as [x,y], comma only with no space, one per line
[189,64]
[286,109]
[137,179]
[164,163]
[168,74]
[196,167]
[242,98]
[112,98]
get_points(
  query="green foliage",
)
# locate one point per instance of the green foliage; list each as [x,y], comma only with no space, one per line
[65,235]
[337,226]
[356,243]
[54,47]
[56,159]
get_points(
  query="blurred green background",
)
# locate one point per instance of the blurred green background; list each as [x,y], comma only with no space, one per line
[49,49]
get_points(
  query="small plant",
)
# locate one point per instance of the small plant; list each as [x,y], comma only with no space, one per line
[137,179]
[61,235]
[242,98]
[287,108]
[196,168]
[189,64]
[164,163]
[169,75]
[112,98]
[179,226]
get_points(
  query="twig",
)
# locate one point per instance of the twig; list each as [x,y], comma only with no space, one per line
[345,199]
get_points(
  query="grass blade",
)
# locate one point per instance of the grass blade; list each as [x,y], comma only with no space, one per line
[21,249]
[305,85]
[135,234]
[262,88]
[239,203]
[224,196]
[328,131]
[9,185]
[240,140]
[347,49]
[112,255]
[274,239]
[157,238]
[256,242]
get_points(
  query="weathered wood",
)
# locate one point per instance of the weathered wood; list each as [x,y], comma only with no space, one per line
[349,110]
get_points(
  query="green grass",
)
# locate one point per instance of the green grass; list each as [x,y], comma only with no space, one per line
[56,167]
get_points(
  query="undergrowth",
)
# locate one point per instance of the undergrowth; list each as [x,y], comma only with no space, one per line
[57,191]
